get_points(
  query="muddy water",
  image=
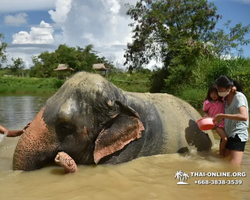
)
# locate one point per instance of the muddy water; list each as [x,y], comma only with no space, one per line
[143,178]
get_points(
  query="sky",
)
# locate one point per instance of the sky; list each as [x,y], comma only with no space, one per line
[34,26]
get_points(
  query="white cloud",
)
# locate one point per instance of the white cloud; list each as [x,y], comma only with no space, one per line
[25,5]
[25,57]
[26,51]
[16,20]
[62,7]
[103,23]
[43,34]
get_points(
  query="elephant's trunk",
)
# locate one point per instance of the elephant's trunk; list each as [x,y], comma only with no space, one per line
[66,162]
[36,146]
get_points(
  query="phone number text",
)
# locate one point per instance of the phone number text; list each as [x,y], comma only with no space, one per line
[218,182]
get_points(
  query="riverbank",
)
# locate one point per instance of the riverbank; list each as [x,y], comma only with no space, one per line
[138,82]
[17,85]
[48,86]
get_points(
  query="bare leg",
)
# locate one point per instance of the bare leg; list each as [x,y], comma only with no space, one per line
[236,157]
[223,143]
[227,152]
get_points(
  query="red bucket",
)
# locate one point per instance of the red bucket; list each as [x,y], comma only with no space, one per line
[205,123]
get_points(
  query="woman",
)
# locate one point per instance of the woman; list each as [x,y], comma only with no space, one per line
[236,118]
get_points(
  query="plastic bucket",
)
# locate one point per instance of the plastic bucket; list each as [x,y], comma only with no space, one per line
[205,123]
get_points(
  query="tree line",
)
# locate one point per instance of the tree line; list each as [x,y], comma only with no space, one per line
[43,65]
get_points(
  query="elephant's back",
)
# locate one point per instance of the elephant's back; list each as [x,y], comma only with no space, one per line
[169,105]
[178,118]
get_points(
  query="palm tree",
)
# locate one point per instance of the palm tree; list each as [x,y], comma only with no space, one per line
[179,175]
[185,176]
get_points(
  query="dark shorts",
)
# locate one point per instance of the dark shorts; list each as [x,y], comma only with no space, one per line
[235,144]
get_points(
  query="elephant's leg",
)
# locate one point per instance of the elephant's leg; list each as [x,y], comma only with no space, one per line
[66,162]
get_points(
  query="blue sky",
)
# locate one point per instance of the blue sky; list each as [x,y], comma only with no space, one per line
[236,11]
[33,19]
[33,26]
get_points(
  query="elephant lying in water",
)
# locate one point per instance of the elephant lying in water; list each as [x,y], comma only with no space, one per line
[95,122]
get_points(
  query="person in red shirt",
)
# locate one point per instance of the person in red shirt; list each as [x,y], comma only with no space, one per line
[213,105]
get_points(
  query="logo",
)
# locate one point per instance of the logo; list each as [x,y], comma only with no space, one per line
[182,177]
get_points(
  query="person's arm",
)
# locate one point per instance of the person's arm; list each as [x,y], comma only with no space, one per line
[11,133]
[206,114]
[14,133]
[241,116]
[205,109]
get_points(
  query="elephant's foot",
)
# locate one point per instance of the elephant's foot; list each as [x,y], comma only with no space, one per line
[66,162]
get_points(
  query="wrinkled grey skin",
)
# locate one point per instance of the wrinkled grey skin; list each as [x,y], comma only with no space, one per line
[95,122]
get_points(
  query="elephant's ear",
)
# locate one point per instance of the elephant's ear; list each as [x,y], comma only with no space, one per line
[123,129]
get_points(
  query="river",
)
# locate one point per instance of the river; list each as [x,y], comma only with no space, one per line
[144,178]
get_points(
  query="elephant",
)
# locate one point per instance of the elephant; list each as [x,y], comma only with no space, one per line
[95,122]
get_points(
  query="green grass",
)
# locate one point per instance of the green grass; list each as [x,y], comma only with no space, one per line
[16,85]
[194,96]
[137,82]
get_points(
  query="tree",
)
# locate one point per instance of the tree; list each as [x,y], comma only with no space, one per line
[224,40]
[3,46]
[163,27]
[86,57]
[16,67]
[177,32]
[80,59]
[37,70]
[66,55]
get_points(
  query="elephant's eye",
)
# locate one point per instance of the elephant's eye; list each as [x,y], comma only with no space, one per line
[64,128]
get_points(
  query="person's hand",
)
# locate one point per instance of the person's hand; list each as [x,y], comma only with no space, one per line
[3,129]
[218,117]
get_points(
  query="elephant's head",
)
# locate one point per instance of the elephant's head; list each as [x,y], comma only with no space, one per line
[88,118]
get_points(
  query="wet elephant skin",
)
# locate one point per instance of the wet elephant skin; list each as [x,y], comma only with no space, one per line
[95,122]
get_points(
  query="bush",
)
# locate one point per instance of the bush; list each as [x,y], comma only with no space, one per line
[204,72]
[57,83]
[194,96]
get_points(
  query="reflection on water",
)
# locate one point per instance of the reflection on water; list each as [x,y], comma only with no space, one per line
[17,111]
[143,178]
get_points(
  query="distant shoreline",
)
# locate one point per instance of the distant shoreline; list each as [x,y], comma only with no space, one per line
[18,85]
